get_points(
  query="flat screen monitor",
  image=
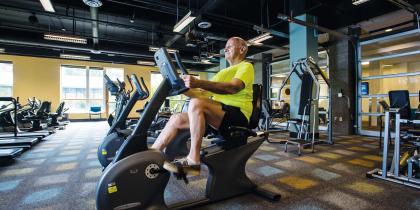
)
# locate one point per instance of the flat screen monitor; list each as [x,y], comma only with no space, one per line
[365,88]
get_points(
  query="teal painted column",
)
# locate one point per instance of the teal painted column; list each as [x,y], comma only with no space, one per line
[303,43]
[222,65]
[223,62]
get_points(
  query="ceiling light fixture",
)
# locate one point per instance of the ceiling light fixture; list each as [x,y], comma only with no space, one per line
[93,3]
[47,5]
[146,63]
[388,30]
[75,57]
[184,22]
[357,2]
[132,17]
[204,24]
[206,61]
[65,38]
[154,49]
[257,40]
[279,75]
[365,63]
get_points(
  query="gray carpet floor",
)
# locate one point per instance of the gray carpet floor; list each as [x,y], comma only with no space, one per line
[61,172]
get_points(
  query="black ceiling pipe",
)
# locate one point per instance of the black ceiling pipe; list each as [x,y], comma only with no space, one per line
[34,43]
[143,54]
[83,19]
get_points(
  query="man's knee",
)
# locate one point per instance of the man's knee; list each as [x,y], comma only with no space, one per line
[178,120]
[196,104]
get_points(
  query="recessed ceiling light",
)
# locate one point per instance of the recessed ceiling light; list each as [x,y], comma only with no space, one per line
[204,24]
[364,63]
[388,30]
[357,2]
[46,4]
[146,63]
[65,38]
[154,49]
[258,39]
[75,57]
[132,18]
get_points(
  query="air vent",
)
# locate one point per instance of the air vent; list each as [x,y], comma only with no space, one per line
[93,3]
[204,24]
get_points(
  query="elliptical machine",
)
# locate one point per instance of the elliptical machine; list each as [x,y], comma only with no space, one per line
[121,96]
[118,133]
[136,178]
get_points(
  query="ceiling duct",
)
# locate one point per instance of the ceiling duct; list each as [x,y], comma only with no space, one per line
[94,4]
[405,5]
[95,29]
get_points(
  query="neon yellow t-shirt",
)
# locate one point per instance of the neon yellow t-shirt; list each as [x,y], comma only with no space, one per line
[242,99]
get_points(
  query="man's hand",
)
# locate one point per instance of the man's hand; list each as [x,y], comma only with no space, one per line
[190,81]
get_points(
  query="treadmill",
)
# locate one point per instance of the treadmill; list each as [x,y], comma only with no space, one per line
[18,139]
[10,153]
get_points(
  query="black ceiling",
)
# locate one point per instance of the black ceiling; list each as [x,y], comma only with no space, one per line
[123,41]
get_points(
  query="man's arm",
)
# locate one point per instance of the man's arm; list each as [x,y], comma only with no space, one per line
[231,87]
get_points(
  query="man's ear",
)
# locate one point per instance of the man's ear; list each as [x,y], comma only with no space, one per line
[242,50]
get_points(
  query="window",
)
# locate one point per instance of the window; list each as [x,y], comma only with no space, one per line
[386,63]
[82,88]
[6,79]
[96,87]
[156,79]
[113,74]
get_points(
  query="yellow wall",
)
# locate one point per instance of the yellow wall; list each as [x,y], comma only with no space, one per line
[40,77]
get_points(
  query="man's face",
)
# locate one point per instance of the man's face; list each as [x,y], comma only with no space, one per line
[232,49]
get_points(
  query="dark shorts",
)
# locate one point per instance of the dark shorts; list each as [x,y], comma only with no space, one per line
[233,117]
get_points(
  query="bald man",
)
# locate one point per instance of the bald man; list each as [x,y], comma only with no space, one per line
[231,104]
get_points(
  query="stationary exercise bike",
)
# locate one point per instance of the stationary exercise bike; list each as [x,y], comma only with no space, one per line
[136,178]
[118,132]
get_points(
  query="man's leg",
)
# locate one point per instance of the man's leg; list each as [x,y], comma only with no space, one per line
[201,111]
[176,122]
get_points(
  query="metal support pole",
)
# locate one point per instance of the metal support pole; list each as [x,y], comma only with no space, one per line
[15,117]
[385,150]
[330,137]
[396,158]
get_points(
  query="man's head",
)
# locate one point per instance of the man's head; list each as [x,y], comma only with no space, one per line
[235,49]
